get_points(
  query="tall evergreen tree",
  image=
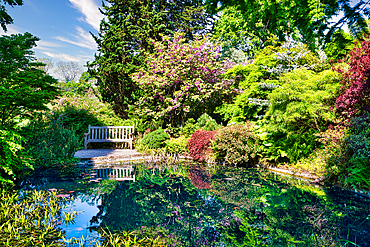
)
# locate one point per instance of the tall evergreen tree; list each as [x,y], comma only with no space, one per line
[125,36]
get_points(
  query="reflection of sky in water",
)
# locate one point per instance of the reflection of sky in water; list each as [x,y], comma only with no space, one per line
[82,221]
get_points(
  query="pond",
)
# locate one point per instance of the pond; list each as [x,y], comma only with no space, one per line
[200,205]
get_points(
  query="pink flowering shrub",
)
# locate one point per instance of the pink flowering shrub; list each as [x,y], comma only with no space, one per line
[181,80]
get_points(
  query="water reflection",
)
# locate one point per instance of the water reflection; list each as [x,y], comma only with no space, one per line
[119,173]
[217,206]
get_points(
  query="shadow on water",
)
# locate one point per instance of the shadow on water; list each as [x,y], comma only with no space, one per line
[216,206]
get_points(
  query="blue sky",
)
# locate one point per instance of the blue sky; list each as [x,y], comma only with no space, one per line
[63,27]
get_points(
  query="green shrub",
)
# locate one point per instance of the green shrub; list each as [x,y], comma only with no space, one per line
[206,122]
[155,139]
[52,143]
[189,128]
[358,150]
[236,144]
[177,146]
[78,111]
[12,157]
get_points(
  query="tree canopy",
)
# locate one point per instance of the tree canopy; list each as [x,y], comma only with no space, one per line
[124,37]
[180,80]
[23,88]
[69,71]
[304,20]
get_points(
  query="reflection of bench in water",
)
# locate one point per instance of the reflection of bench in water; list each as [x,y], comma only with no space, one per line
[116,173]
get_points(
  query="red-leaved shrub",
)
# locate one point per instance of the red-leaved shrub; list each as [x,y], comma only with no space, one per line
[354,97]
[199,144]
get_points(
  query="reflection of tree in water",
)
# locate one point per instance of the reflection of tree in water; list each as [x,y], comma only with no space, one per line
[159,198]
[199,178]
[287,209]
[118,209]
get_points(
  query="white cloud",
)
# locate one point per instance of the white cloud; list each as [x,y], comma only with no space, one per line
[46,45]
[90,10]
[82,39]
[65,57]
[11,30]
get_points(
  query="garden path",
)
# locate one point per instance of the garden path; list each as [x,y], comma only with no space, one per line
[109,155]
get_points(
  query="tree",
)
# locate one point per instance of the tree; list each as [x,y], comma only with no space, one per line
[260,77]
[69,71]
[24,89]
[180,80]
[304,20]
[124,38]
[5,18]
[48,64]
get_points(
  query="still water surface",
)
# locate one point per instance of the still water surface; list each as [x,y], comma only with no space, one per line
[199,205]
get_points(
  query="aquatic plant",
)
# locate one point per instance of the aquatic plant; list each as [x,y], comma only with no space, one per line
[32,218]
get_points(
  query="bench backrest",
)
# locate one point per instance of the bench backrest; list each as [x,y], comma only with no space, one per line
[111,132]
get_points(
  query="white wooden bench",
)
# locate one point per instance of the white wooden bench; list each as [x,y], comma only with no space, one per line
[109,134]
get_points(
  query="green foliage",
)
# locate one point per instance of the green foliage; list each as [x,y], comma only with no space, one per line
[52,143]
[298,109]
[304,20]
[125,35]
[289,145]
[189,128]
[143,237]
[13,157]
[236,144]
[256,80]
[177,146]
[24,89]
[5,18]
[78,111]
[155,139]
[206,122]
[340,46]
[72,88]
[230,30]
[303,100]
[358,152]
[31,219]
